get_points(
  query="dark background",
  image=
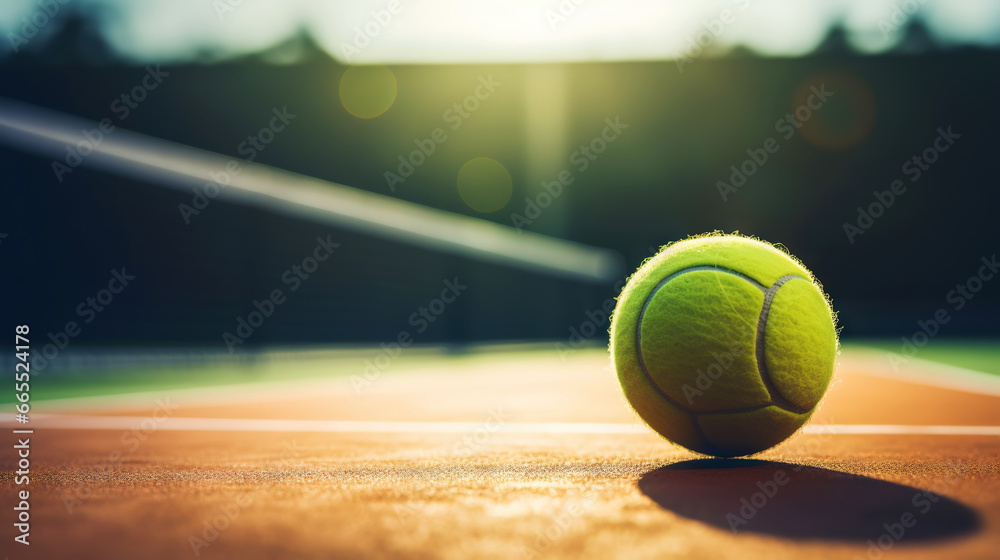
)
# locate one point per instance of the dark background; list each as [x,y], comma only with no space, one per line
[656,184]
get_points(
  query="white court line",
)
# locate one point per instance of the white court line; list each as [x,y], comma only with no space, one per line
[902,430]
[861,361]
[74,422]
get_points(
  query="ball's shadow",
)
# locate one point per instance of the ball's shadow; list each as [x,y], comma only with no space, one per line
[800,502]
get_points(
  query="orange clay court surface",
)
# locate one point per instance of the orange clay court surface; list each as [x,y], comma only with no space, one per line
[507,454]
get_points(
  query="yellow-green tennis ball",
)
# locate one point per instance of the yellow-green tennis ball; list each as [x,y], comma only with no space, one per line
[723,344]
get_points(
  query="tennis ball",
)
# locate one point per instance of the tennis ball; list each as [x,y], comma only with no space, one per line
[723,344]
